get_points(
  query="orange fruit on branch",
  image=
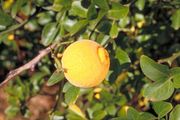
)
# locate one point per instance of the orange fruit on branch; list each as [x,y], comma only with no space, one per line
[85,63]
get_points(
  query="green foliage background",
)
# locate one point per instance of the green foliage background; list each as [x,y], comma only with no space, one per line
[141,36]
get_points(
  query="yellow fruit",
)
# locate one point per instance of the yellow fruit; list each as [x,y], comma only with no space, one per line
[11,37]
[85,63]
[97,96]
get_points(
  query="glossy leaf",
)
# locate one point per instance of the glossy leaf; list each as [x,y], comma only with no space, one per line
[114,31]
[111,110]
[99,115]
[66,86]
[159,90]
[176,19]
[58,5]
[175,114]
[16,7]
[5,20]
[78,26]
[103,4]
[153,70]
[55,78]
[44,18]
[118,11]
[104,26]
[94,22]
[146,116]
[162,108]
[78,10]
[132,114]
[140,4]
[175,72]
[49,33]
[77,110]
[122,56]
[71,95]
[92,12]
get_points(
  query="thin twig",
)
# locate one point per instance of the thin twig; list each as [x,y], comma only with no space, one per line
[169,60]
[14,27]
[31,64]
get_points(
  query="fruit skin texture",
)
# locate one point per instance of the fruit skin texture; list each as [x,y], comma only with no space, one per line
[85,63]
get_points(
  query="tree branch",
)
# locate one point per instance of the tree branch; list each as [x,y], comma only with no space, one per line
[31,64]
[28,65]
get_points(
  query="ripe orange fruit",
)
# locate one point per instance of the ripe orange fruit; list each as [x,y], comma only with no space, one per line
[85,63]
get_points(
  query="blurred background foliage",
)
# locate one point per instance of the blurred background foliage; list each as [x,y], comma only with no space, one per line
[128,29]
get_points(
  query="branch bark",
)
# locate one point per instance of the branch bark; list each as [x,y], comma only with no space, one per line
[12,74]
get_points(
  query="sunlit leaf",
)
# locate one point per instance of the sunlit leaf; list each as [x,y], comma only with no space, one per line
[175,114]
[114,31]
[175,18]
[103,4]
[175,72]
[55,78]
[118,11]
[146,116]
[78,10]
[99,115]
[153,70]
[122,56]
[77,110]
[16,7]
[92,12]
[49,33]
[132,114]
[162,108]
[71,94]
[78,26]
[5,20]
[140,4]
[159,90]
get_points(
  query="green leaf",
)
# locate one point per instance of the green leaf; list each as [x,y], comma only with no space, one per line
[49,33]
[114,31]
[92,13]
[162,108]
[153,70]
[146,116]
[122,56]
[104,26]
[78,26]
[175,72]
[5,20]
[71,94]
[93,23]
[67,85]
[140,4]
[12,111]
[97,107]
[59,4]
[175,114]
[175,18]
[103,4]
[16,7]
[44,18]
[132,114]
[124,22]
[111,110]
[99,115]
[159,90]
[78,10]
[55,78]
[118,11]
